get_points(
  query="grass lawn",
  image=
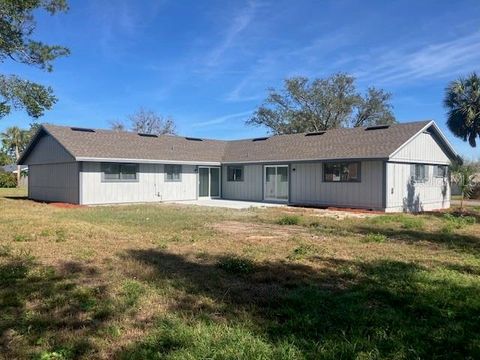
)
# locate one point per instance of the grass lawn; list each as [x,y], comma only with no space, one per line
[180,282]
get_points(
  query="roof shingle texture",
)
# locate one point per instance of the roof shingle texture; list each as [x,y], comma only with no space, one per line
[345,143]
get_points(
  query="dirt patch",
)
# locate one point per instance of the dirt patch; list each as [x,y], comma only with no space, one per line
[336,213]
[65,205]
[256,231]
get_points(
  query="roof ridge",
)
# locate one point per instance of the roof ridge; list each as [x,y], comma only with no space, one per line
[234,140]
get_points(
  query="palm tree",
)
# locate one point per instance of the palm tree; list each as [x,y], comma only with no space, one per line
[462,99]
[14,140]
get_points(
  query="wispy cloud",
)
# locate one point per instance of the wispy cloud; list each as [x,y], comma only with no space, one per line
[238,24]
[119,22]
[422,61]
[222,119]
[290,60]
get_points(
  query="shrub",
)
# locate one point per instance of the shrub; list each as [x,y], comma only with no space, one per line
[289,220]
[236,265]
[8,180]
[375,237]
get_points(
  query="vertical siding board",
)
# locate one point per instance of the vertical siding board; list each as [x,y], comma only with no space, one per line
[150,187]
[248,189]
[48,151]
[54,182]
[430,195]
[423,148]
[308,187]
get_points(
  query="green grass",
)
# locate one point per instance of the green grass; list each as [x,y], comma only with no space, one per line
[236,265]
[180,282]
[406,221]
[289,220]
[302,251]
[375,237]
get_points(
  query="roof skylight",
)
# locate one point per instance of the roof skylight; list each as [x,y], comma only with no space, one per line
[377,127]
[82,129]
[316,133]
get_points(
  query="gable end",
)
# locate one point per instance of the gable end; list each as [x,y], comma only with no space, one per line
[45,149]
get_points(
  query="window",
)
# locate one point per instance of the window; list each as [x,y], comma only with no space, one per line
[441,171]
[173,173]
[341,172]
[119,172]
[235,173]
[419,173]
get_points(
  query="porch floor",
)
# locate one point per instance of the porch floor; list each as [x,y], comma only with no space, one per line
[231,204]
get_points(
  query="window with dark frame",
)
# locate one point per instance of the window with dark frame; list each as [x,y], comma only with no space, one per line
[341,172]
[235,173]
[441,171]
[420,173]
[117,172]
[173,173]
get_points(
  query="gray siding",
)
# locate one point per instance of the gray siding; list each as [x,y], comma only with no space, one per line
[150,187]
[404,195]
[48,151]
[307,187]
[424,149]
[53,182]
[249,189]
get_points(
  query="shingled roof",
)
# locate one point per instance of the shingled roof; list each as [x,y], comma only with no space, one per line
[345,143]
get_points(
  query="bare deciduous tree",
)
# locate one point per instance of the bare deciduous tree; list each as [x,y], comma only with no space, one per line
[146,122]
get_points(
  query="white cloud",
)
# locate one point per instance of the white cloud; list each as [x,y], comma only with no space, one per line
[221,119]
[422,61]
[238,24]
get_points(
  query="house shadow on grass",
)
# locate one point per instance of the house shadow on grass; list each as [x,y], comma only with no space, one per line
[340,309]
[45,313]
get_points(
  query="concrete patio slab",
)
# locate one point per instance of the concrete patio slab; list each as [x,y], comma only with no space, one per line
[230,204]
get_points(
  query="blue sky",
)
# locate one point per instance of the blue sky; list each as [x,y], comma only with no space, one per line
[208,63]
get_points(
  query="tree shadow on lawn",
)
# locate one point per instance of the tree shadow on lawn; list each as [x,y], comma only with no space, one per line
[343,309]
[45,312]
[462,243]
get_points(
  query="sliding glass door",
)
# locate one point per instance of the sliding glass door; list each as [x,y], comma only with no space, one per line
[276,183]
[209,182]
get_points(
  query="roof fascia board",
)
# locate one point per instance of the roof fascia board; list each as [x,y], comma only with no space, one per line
[146,161]
[429,162]
[437,130]
[302,160]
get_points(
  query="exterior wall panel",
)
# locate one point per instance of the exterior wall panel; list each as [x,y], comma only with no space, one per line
[307,187]
[150,187]
[249,189]
[408,196]
[48,151]
[423,148]
[54,182]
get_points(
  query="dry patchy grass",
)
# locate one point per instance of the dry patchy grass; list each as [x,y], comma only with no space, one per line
[171,281]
